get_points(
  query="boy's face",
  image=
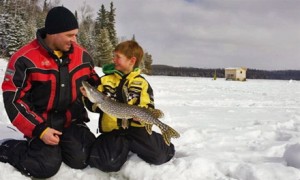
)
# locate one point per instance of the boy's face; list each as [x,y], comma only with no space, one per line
[122,63]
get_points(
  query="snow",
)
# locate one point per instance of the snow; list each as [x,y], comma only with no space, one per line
[229,130]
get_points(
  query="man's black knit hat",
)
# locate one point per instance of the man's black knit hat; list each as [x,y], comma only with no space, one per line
[60,19]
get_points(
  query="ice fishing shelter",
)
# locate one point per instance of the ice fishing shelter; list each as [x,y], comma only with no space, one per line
[236,74]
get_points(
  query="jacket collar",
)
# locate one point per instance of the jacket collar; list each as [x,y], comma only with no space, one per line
[110,69]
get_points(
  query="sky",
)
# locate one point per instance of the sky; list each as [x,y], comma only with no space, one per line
[229,130]
[257,34]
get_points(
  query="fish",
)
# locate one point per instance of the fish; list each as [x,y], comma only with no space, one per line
[146,116]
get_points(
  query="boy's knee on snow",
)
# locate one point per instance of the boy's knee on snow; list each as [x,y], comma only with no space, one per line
[160,157]
[107,165]
[80,162]
[156,160]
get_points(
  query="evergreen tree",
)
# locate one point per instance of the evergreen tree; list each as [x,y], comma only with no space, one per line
[11,7]
[46,6]
[133,37]
[111,26]
[34,3]
[101,20]
[21,34]
[76,15]
[30,30]
[30,11]
[20,8]
[40,17]
[3,34]
[85,36]
[15,34]
[1,6]
[26,16]
[147,63]
[105,35]
[13,28]
[105,55]
[86,29]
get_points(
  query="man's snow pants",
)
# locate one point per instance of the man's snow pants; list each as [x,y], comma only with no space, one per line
[35,158]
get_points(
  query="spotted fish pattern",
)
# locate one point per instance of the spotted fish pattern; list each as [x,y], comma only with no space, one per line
[146,116]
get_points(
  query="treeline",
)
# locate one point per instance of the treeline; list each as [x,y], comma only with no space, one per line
[282,74]
[185,71]
[220,73]
[19,20]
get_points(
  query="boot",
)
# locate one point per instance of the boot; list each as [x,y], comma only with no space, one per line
[6,149]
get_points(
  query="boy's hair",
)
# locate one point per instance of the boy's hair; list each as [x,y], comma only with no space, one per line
[131,49]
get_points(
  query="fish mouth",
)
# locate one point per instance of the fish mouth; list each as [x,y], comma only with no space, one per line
[88,88]
[84,84]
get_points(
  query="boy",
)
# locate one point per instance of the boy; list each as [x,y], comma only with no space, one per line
[122,82]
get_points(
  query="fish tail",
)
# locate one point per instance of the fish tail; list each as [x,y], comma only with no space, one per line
[173,133]
[148,128]
[169,133]
[167,138]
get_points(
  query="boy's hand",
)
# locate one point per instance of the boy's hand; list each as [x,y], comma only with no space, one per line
[135,119]
[83,92]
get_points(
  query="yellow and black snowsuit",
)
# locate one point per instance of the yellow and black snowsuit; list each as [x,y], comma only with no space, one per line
[132,89]
[110,150]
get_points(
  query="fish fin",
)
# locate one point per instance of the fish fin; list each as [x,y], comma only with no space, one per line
[94,107]
[83,100]
[167,138]
[125,123]
[173,133]
[148,128]
[156,113]
[169,133]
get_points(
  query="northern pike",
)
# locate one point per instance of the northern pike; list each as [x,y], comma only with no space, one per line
[148,117]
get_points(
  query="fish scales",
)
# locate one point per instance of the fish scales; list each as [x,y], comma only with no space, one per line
[122,110]
[125,111]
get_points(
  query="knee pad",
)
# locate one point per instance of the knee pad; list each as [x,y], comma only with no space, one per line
[78,162]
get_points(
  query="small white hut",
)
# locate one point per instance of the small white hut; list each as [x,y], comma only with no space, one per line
[236,74]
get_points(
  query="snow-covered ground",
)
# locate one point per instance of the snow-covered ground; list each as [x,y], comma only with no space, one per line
[229,130]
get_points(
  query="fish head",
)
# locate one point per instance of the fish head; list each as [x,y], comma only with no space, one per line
[93,94]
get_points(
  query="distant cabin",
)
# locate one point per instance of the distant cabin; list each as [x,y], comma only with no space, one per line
[236,74]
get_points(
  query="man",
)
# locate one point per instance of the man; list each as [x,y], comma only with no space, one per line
[42,99]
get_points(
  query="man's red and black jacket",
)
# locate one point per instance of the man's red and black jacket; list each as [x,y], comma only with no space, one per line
[40,90]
